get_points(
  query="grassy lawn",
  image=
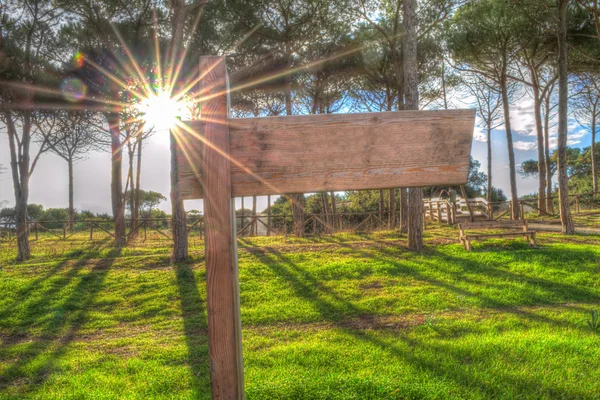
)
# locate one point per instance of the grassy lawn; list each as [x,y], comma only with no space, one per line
[341,317]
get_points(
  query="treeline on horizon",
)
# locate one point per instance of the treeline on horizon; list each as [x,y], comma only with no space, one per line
[73,71]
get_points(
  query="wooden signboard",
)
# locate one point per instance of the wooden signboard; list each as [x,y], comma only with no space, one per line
[334,152]
[220,158]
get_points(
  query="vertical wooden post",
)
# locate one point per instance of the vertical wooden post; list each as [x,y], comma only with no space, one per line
[269,215]
[242,216]
[463,192]
[577,204]
[522,209]
[392,216]
[64,230]
[91,231]
[222,286]
[36,230]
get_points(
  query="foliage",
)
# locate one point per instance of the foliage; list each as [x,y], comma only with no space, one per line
[36,212]
[149,200]
[594,321]
[579,168]
[497,195]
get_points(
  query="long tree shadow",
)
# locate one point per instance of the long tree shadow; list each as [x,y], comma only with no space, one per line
[47,323]
[193,311]
[24,292]
[499,270]
[335,309]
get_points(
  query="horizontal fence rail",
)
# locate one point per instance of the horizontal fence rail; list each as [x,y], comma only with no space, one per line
[160,228]
[266,224]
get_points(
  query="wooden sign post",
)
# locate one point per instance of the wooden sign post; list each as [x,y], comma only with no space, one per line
[220,158]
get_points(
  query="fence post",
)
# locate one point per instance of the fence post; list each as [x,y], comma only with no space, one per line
[36,230]
[269,215]
[577,204]
[64,231]
[522,205]
[145,230]
[242,216]
[92,231]
[439,211]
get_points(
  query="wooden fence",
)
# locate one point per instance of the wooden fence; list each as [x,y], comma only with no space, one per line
[159,228]
[267,224]
[441,210]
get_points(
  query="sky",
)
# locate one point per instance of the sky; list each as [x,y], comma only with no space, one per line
[49,183]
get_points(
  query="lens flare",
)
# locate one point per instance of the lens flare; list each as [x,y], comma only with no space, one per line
[161,111]
[78,59]
[73,89]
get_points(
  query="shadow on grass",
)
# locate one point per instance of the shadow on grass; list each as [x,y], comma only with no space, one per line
[334,308]
[44,319]
[194,315]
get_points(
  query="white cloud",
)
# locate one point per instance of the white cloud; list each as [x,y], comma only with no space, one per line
[575,137]
[479,135]
[524,146]
[522,118]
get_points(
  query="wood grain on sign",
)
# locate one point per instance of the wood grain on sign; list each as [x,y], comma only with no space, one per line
[222,288]
[302,154]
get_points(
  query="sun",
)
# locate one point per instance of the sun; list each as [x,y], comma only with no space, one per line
[161,111]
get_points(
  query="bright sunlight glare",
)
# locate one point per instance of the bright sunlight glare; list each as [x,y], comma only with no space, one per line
[161,111]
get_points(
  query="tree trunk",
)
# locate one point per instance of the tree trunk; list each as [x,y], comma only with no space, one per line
[253,227]
[116,182]
[415,219]
[549,201]
[411,97]
[594,171]
[71,207]
[131,199]
[392,213]
[324,206]
[382,205]
[334,222]
[296,198]
[178,217]
[511,150]
[463,193]
[298,214]
[403,210]
[21,222]
[136,208]
[19,165]
[540,150]
[563,180]
[489,162]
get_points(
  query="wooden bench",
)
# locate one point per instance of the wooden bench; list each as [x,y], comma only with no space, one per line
[465,239]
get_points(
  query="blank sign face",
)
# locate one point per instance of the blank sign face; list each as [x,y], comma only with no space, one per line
[336,152]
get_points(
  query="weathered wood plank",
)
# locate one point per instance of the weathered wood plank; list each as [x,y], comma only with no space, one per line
[518,223]
[295,154]
[222,287]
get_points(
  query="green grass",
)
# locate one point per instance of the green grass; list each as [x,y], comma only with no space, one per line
[342,317]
